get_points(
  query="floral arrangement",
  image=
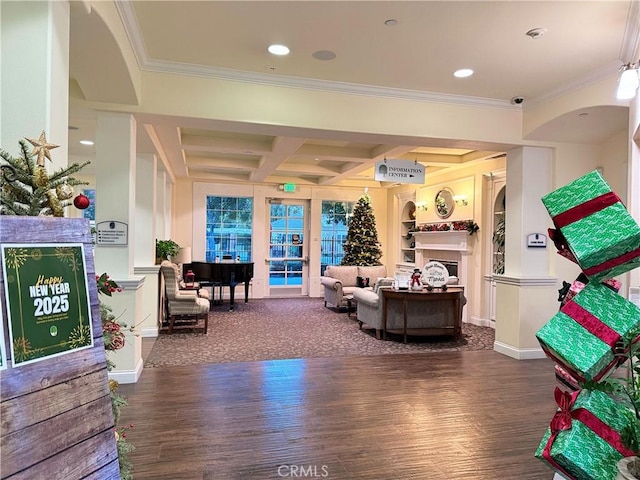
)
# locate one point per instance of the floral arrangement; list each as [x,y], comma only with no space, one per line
[468,225]
[114,339]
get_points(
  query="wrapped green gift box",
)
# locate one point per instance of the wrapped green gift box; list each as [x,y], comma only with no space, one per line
[597,228]
[582,336]
[575,445]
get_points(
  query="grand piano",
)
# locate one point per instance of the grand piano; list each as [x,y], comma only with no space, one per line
[224,274]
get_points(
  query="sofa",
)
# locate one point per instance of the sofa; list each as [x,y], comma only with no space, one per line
[340,281]
[423,318]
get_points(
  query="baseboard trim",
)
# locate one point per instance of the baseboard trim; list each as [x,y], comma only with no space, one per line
[518,353]
[149,332]
[128,376]
[482,322]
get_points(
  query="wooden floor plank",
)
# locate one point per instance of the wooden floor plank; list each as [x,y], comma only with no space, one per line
[455,415]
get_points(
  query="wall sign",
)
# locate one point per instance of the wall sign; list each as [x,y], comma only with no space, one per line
[48,308]
[112,232]
[537,240]
[399,171]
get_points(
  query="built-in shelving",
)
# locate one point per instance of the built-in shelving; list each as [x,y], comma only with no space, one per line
[498,226]
[407,240]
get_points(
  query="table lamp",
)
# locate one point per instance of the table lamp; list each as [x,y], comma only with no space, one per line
[183,256]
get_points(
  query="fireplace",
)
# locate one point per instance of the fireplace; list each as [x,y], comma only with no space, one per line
[450,265]
[451,248]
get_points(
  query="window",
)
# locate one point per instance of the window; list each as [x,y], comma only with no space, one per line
[335,224]
[90,211]
[229,228]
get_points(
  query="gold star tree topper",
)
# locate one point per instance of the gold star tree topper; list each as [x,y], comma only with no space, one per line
[41,148]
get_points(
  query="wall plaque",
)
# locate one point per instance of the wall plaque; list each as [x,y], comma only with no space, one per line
[537,240]
[112,232]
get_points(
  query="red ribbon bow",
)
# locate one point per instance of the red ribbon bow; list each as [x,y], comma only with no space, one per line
[562,419]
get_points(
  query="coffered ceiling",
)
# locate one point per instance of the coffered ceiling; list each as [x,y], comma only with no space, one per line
[415,56]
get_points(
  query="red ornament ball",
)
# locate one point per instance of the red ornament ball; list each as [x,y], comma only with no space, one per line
[81,202]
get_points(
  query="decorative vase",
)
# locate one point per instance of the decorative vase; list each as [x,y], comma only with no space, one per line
[623,469]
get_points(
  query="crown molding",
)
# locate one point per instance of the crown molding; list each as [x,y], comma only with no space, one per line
[595,76]
[175,68]
[629,51]
[130,22]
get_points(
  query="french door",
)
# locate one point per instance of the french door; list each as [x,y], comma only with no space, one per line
[288,248]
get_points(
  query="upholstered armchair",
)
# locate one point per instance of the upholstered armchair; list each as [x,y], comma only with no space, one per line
[183,304]
[340,281]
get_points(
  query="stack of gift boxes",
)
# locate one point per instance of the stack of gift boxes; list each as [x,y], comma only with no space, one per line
[594,230]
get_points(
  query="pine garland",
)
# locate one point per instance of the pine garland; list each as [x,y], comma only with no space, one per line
[34,192]
[361,246]
[114,339]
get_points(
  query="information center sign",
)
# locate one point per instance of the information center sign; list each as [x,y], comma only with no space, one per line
[399,171]
[48,308]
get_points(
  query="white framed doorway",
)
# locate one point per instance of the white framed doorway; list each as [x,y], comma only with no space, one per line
[288,248]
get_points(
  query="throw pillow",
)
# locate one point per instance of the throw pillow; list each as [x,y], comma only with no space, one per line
[362,282]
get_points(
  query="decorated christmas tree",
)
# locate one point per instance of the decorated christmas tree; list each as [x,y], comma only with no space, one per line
[26,186]
[362,246]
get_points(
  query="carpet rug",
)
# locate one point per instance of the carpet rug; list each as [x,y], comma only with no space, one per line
[271,329]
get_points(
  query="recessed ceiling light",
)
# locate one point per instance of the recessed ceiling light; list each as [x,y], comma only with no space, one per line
[323,55]
[391,22]
[86,142]
[276,49]
[463,72]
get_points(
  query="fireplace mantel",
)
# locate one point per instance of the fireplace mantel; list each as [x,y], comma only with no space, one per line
[451,240]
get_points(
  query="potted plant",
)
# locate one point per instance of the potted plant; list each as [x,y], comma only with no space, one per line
[166,249]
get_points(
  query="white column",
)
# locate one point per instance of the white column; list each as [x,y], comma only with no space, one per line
[161,185]
[147,165]
[526,293]
[115,165]
[34,75]
[144,255]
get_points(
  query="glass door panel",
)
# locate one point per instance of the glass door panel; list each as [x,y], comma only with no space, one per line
[288,266]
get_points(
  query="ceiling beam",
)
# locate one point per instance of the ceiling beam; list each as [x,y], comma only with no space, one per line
[199,143]
[282,148]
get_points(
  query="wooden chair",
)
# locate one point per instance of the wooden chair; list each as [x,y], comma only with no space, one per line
[183,304]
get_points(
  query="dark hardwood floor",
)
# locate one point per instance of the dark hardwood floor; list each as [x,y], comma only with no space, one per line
[442,416]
